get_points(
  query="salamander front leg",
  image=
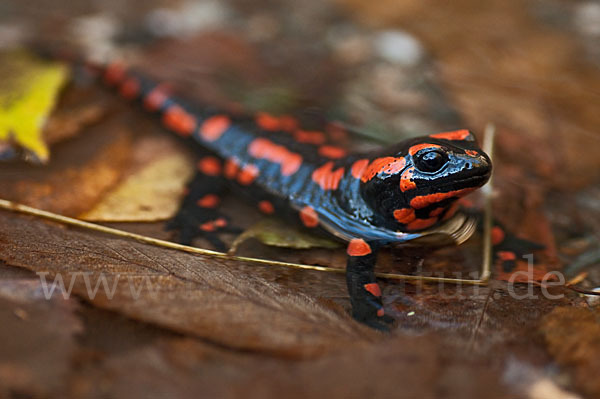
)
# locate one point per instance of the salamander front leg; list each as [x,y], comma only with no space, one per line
[365,294]
[199,214]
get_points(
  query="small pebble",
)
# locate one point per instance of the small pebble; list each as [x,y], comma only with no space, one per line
[94,27]
[95,34]
[587,18]
[398,47]
[189,18]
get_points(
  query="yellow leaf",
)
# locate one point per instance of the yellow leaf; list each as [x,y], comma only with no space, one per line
[151,194]
[28,92]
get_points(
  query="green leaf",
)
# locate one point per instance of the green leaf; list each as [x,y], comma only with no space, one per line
[277,234]
[28,91]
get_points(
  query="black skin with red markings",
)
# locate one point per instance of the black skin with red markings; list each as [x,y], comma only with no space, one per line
[368,200]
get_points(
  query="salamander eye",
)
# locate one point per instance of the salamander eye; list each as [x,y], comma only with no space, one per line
[431,161]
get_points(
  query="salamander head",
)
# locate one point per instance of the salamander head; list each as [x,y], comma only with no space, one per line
[418,185]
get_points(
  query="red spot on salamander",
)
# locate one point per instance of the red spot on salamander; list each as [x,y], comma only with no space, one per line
[247,175]
[272,123]
[309,137]
[156,98]
[405,215]
[497,235]
[422,201]
[309,217]
[130,88]
[332,152]
[420,224]
[262,148]
[358,247]
[266,207]
[326,177]
[213,225]
[288,123]
[436,212]
[358,168]
[179,120]
[373,288]
[471,153]
[232,167]
[214,127]
[210,166]
[208,226]
[405,180]
[389,165]
[114,74]
[380,312]
[267,121]
[455,135]
[506,255]
[208,201]
[418,147]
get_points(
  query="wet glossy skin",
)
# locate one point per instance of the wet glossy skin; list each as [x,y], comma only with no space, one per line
[385,196]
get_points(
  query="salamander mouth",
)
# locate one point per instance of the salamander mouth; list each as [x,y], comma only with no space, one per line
[475,181]
[467,182]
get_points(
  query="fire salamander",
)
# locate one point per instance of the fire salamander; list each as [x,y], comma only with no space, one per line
[368,200]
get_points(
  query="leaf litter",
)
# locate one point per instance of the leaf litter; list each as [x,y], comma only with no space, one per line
[491,323]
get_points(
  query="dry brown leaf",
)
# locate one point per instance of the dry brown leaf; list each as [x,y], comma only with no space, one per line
[220,301]
[407,367]
[81,171]
[36,332]
[77,109]
[573,338]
